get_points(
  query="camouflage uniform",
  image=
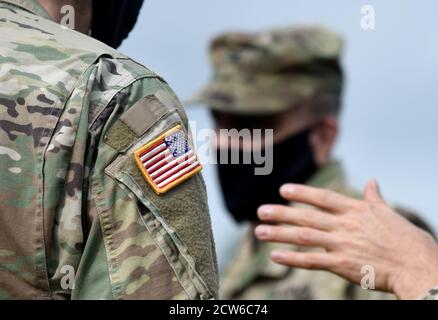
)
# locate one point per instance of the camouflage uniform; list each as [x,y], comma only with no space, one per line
[72,113]
[262,74]
[273,71]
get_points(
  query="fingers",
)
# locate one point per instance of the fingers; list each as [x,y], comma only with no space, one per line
[372,192]
[295,235]
[297,216]
[305,260]
[324,199]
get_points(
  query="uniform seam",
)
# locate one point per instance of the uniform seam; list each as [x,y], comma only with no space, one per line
[104,228]
[43,163]
[181,282]
[192,266]
[109,96]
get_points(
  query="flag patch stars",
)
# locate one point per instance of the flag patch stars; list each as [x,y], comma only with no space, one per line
[167,161]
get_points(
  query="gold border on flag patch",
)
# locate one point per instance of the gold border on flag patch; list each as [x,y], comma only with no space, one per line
[168,160]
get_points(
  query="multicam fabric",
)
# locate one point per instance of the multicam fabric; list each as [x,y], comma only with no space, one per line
[272,71]
[253,275]
[72,202]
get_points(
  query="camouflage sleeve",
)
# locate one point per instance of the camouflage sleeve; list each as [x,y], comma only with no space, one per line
[141,244]
[432,294]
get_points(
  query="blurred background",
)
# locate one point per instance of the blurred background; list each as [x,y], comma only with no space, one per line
[389,122]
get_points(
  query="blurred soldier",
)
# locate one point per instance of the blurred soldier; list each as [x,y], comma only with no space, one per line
[289,80]
[85,213]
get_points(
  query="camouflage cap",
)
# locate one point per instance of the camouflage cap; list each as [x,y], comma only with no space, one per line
[272,71]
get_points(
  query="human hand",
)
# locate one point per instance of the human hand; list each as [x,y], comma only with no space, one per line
[354,233]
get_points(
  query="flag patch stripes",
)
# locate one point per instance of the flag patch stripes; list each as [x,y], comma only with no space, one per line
[168,160]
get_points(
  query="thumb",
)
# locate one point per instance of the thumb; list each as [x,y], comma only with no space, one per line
[372,192]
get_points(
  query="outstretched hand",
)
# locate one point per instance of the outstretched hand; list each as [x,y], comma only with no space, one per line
[354,233]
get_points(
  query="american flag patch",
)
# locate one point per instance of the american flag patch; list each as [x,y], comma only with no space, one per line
[167,161]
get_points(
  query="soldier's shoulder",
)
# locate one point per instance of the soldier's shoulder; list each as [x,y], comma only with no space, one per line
[35,40]
[19,26]
[91,50]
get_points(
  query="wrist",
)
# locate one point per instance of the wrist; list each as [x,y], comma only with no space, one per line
[414,285]
[414,280]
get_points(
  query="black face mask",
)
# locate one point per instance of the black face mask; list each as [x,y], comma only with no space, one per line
[244,192]
[114,19]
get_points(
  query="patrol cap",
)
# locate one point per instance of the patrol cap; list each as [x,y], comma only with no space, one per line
[272,71]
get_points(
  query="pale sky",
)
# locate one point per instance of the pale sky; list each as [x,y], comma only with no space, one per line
[389,128]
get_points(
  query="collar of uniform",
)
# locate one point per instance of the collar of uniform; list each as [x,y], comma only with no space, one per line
[32,6]
[330,176]
[253,258]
